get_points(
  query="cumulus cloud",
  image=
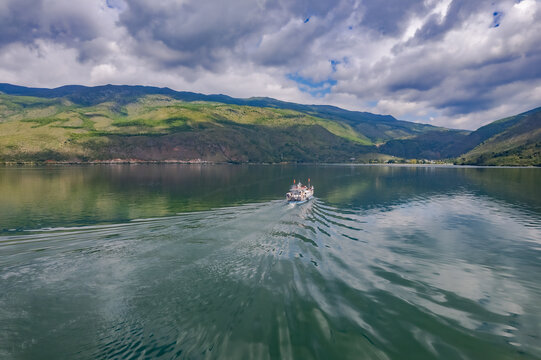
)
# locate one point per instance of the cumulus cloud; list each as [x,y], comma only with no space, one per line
[454,63]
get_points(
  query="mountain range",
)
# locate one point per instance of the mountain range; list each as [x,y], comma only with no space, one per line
[141,123]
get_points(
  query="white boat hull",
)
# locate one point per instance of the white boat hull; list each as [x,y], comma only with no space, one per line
[294,202]
[299,194]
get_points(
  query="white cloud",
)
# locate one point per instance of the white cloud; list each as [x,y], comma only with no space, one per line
[430,61]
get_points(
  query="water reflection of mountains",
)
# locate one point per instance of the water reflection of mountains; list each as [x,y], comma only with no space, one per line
[383,185]
[63,196]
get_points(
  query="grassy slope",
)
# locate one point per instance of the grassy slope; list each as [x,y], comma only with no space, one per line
[511,141]
[158,127]
[376,128]
[515,140]
[80,123]
[431,145]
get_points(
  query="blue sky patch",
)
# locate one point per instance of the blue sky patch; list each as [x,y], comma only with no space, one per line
[316,89]
[372,103]
[497,16]
[333,64]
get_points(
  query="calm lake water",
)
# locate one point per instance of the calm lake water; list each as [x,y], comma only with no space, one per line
[197,262]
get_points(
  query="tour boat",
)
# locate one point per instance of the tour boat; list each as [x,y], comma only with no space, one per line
[300,193]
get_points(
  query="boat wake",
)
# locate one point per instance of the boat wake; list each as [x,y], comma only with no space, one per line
[273,279]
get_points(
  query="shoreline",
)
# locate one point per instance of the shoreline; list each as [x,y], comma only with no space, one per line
[37,164]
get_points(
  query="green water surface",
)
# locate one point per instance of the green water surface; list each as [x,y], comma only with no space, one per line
[209,261]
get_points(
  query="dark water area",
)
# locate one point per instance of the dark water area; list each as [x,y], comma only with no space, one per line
[208,261]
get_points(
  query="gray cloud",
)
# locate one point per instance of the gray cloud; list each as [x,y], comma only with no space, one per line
[389,17]
[19,21]
[458,12]
[204,34]
[460,62]
[196,33]
[62,21]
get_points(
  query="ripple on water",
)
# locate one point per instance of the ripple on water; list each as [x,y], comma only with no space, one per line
[269,280]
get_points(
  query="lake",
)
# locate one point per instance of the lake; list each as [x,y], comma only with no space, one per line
[209,261]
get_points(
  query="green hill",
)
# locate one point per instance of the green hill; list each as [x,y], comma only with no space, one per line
[433,145]
[157,127]
[514,140]
[511,141]
[79,124]
[375,127]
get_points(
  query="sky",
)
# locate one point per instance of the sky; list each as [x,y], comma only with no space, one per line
[453,63]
